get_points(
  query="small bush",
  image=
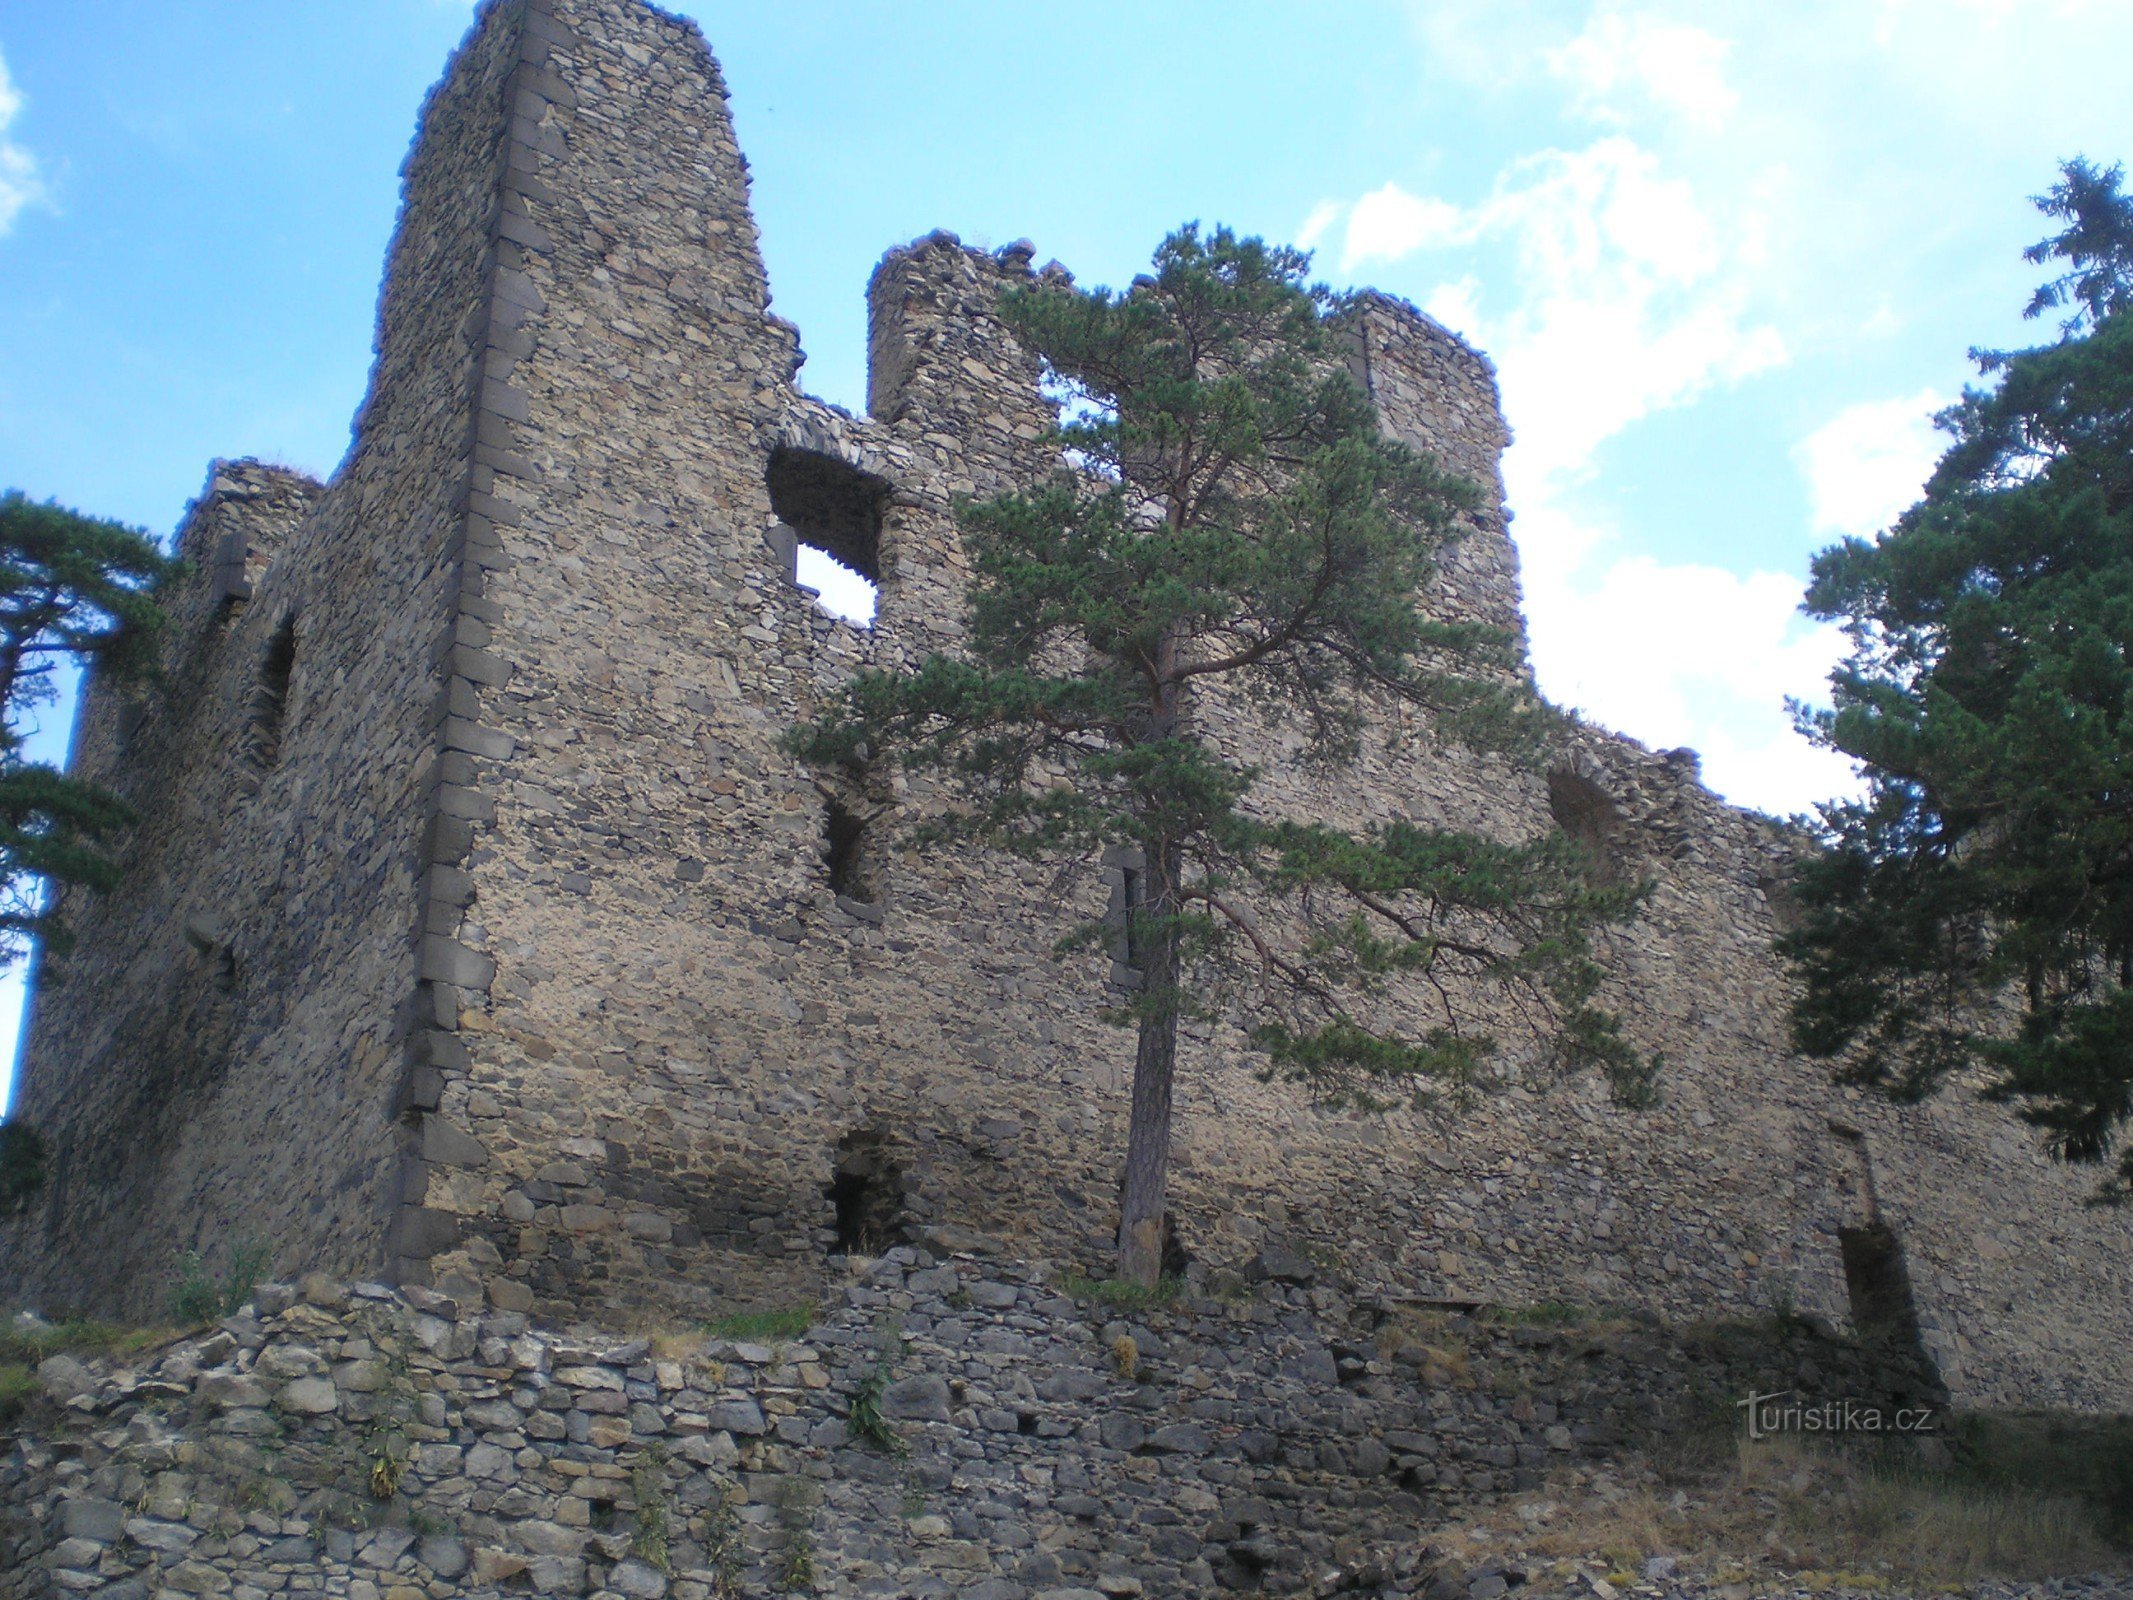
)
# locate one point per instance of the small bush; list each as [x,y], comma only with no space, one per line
[795,1499]
[18,1385]
[22,1166]
[199,1297]
[755,1327]
[868,1421]
[649,1539]
[386,1471]
[1126,1356]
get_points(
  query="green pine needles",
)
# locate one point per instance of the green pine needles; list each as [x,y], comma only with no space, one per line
[73,590]
[1974,913]
[1230,542]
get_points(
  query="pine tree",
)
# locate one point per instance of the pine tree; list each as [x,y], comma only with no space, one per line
[1229,526]
[73,589]
[1974,913]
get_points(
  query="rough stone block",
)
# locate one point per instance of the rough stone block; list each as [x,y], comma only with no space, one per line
[487,743]
[91,1518]
[478,666]
[449,961]
[450,1146]
[923,1397]
[419,1232]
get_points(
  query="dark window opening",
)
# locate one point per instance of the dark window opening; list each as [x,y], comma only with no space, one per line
[127,726]
[849,855]
[1132,895]
[866,1190]
[1589,818]
[834,514]
[269,708]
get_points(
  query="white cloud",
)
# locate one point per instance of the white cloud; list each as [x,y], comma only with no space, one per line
[1322,217]
[19,182]
[1680,654]
[1389,223]
[1865,466]
[1631,295]
[1626,59]
[1808,185]
[1631,300]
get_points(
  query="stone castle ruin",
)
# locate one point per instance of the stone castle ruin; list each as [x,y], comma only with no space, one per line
[480,936]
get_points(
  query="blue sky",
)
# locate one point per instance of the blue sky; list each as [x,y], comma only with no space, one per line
[1727,256]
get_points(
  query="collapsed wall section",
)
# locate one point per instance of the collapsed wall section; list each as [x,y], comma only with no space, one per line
[214,1061]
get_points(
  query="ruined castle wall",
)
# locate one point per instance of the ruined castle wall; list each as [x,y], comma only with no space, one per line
[215,1061]
[682,1022]
[674,1032]
[1435,392]
[616,1032]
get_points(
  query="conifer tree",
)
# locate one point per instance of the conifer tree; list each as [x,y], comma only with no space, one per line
[1974,912]
[72,589]
[1229,527]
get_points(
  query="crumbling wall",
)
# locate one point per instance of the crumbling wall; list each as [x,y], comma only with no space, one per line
[1285,1438]
[560,983]
[214,1062]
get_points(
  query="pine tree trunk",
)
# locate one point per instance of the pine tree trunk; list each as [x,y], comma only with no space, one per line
[1141,1205]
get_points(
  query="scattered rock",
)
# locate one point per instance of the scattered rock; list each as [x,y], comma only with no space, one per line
[62,1378]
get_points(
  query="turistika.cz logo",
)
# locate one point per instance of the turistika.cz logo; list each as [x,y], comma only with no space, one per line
[1785,1412]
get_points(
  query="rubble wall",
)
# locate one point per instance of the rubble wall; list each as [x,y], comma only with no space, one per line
[1283,1438]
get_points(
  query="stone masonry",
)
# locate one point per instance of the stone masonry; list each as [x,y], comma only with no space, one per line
[481,937]
[1279,1438]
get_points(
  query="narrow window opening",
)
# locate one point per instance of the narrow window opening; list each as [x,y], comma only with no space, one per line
[866,1192]
[1126,871]
[848,854]
[831,516]
[269,707]
[1132,895]
[1589,818]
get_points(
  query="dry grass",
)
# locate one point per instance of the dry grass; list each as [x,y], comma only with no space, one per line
[23,1345]
[1431,1343]
[1786,1506]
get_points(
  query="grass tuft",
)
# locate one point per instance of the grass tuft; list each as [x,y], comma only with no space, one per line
[24,1344]
[758,1327]
[1121,1296]
[1542,1314]
[1856,1517]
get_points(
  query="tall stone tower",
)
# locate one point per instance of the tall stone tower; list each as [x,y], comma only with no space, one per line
[480,932]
